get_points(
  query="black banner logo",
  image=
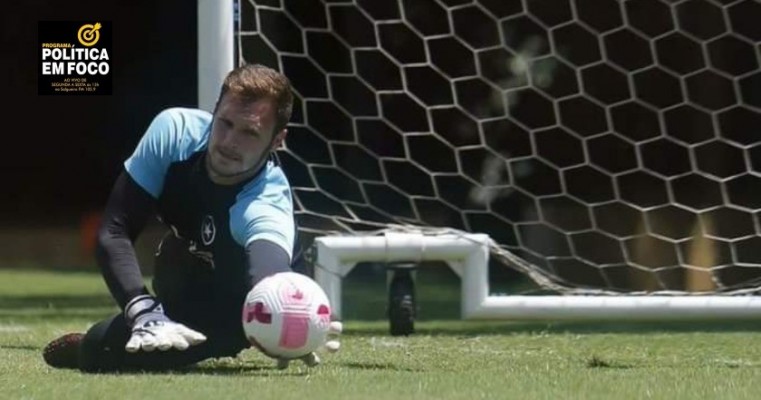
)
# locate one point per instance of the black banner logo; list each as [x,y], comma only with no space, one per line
[75,58]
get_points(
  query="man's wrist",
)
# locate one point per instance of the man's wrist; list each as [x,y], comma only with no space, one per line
[140,306]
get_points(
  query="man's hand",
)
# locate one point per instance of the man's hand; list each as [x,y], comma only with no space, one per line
[312,359]
[151,329]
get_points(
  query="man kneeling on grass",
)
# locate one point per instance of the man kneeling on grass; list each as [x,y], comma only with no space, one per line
[214,181]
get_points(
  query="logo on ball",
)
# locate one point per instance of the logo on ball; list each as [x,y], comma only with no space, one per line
[286,315]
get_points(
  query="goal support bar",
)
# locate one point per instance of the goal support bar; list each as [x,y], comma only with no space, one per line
[468,256]
[216,36]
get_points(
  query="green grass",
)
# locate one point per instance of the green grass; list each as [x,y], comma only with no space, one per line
[444,359]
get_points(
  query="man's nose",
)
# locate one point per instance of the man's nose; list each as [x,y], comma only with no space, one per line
[230,139]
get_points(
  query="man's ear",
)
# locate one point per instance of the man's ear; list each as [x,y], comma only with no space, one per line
[279,138]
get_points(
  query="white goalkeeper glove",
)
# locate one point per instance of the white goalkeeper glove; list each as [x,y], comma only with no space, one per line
[312,359]
[151,329]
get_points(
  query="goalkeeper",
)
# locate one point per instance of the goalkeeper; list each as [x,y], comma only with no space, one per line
[212,179]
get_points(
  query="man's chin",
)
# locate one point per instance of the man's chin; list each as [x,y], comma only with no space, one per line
[226,174]
[223,171]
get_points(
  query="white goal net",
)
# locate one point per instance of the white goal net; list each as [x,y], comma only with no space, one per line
[605,146]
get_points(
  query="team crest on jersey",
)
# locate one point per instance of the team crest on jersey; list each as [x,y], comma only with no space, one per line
[208,230]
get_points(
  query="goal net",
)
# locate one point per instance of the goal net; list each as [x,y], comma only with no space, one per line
[604,146]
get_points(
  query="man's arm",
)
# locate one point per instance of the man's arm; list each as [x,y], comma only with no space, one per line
[127,211]
[265,258]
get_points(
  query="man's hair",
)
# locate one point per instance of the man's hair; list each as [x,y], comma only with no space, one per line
[252,82]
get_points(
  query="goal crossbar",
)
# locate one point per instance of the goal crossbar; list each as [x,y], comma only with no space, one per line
[468,256]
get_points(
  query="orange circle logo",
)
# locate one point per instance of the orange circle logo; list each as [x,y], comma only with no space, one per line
[89,34]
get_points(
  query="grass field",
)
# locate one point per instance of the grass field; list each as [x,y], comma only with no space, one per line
[444,359]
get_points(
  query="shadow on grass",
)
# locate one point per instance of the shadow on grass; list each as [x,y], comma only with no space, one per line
[257,369]
[56,301]
[36,308]
[218,370]
[19,347]
[598,362]
[378,366]
[481,328]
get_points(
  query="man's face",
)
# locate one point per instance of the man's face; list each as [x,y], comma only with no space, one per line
[242,136]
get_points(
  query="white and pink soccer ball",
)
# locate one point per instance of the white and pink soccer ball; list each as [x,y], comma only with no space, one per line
[287,315]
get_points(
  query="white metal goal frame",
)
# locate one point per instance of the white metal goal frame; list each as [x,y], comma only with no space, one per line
[468,256]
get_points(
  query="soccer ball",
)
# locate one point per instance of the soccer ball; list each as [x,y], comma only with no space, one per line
[286,315]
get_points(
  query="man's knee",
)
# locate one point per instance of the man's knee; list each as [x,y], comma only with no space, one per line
[102,350]
[102,347]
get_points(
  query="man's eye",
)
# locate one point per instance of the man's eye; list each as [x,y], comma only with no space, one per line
[224,122]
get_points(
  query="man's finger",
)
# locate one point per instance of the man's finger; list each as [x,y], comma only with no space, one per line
[332,345]
[191,336]
[311,359]
[164,340]
[180,343]
[133,345]
[336,327]
[176,341]
[148,342]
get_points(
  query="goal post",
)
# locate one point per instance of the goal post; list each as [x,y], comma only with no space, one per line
[607,150]
[468,255]
[216,35]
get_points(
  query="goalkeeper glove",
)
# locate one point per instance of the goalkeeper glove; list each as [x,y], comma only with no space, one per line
[151,329]
[312,359]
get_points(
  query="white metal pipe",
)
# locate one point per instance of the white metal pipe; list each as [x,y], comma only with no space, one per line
[215,48]
[475,281]
[337,255]
[397,247]
[331,284]
[617,307]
